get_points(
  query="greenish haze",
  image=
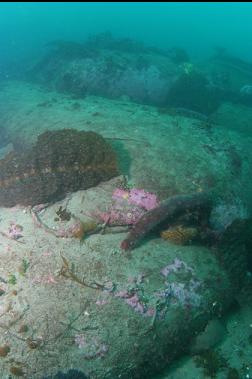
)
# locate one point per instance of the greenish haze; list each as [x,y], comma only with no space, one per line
[26,27]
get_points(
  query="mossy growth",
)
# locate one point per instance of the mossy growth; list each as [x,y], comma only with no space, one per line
[23,328]
[17,371]
[4,350]
[211,361]
[22,269]
[12,279]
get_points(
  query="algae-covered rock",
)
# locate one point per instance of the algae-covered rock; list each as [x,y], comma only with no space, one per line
[104,312]
[107,313]
[108,67]
[60,162]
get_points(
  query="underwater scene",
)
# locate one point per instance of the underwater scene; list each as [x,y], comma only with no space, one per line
[125,190]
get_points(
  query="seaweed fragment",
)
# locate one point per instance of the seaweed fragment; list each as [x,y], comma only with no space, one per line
[67,271]
[22,269]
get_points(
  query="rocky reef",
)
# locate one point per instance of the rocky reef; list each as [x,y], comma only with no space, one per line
[114,67]
[108,67]
[60,162]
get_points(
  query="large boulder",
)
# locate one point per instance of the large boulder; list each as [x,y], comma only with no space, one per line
[110,68]
[104,312]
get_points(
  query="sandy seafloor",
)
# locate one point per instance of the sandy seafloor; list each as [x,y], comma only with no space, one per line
[160,153]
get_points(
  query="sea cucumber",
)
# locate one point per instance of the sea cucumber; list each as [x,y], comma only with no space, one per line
[166,211]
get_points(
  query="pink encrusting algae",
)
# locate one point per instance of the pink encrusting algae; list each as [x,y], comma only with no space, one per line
[132,299]
[138,197]
[128,207]
[143,199]
[15,231]
[176,266]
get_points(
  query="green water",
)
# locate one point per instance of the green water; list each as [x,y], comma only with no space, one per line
[125,242]
[198,27]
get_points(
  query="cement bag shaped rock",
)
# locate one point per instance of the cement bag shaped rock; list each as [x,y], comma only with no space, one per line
[108,313]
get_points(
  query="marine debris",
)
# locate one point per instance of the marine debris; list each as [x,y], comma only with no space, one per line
[166,211]
[60,162]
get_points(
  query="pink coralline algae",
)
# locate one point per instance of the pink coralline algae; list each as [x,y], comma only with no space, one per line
[176,266]
[15,231]
[92,347]
[80,340]
[138,197]
[71,231]
[181,293]
[133,300]
[135,303]
[46,279]
[128,207]
[120,194]
[101,302]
